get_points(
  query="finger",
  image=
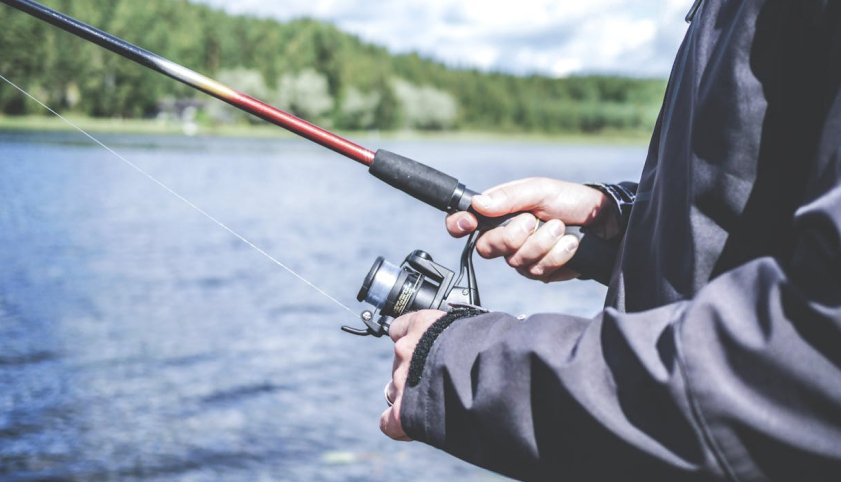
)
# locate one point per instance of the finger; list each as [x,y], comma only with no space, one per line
[563,274]
[390,423]
[538,245]
[414,324]
[391,392]
[461,224]
[396,361]
[398,382]
[515,196]
[507,239]
[400,326]
[403,350]
[546,198]
[560,254]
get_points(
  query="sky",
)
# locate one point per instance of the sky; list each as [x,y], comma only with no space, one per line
[550,37]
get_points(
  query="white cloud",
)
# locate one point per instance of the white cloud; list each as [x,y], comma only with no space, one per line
[555,37]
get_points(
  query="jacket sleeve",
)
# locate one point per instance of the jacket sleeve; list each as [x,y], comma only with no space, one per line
[599,245]
[742,382]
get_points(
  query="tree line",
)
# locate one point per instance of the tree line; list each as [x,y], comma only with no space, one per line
[306,66]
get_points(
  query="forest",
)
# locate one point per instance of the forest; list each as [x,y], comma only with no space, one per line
[308,67]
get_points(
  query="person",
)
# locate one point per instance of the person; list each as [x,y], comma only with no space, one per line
[718,352]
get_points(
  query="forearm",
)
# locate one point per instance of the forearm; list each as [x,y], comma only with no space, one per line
[538,399]
[727,384]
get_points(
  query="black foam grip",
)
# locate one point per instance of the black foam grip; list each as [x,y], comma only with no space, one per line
[418,180]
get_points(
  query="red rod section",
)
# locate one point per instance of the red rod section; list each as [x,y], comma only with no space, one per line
[196,80]
[303,128]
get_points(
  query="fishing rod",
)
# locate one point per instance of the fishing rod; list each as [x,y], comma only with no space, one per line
[423,182]
[419,282]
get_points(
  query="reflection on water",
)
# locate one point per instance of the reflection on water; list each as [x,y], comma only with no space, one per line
[139,341]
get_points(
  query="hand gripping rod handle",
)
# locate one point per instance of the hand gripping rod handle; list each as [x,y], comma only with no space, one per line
[593,258]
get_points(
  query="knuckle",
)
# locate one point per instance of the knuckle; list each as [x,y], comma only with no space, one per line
[514,261]
[542,243]
[545,186]
[490,244]
[511,238]
[425,318]
[502,195]
[403,349]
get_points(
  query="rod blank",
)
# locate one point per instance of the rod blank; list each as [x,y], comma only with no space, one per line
[196,80]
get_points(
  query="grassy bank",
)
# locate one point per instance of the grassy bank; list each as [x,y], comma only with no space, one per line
[310,67]
[150,126]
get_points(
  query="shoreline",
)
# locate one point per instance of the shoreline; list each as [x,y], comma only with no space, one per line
[159,127]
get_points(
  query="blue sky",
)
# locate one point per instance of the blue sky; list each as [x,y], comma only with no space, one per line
[553,37]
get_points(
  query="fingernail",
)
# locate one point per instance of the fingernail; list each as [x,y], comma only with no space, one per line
[556,229]
[570,243]
[464,224]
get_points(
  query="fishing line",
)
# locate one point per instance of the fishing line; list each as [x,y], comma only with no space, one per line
[182,198]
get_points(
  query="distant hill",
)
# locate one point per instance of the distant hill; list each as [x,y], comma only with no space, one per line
[306,66]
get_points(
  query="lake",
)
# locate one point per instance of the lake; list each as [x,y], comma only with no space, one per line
[140,341]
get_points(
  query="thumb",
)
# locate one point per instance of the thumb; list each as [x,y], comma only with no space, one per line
[517,196]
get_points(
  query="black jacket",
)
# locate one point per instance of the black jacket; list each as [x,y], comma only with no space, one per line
[719,352]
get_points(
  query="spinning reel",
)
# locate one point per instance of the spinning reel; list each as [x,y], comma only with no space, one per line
[419,283]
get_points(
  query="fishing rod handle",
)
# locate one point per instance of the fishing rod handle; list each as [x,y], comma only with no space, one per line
[593,258]
[427,184]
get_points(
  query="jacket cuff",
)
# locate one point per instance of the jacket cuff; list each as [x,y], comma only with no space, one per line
[428,339]
[622,197]
[417,396]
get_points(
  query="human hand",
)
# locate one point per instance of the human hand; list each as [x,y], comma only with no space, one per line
[536,253]
[405,331]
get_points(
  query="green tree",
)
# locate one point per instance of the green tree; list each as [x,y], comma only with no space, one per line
[312,68]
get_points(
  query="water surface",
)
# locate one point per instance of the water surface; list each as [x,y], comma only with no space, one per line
[139,341]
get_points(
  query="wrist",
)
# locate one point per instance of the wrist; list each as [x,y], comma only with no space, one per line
[614,211]
[431,334]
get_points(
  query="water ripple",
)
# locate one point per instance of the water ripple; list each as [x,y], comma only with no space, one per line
[245,391]
[28,358]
